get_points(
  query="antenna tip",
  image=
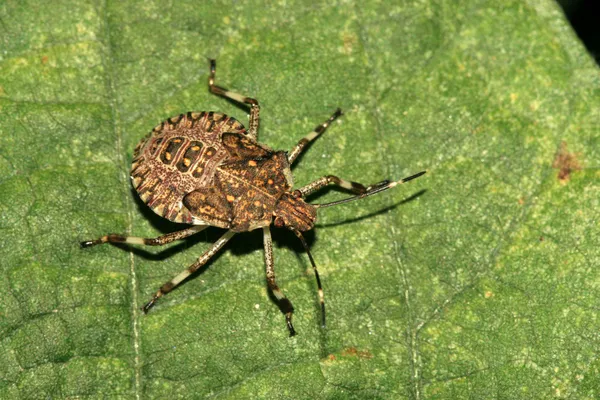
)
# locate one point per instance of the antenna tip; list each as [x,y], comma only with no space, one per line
[415,176]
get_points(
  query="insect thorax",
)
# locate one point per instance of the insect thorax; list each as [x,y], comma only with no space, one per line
[251,186]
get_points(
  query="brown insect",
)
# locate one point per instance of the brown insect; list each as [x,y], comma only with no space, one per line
[205,169]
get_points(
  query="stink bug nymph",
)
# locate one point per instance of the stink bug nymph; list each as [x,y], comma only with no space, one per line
[205,169]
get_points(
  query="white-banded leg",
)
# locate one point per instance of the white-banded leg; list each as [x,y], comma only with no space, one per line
[297,150]
[371,190]
[253,103]
[173,283]
[314,265]
[157,241]
[354,187]
[284,304]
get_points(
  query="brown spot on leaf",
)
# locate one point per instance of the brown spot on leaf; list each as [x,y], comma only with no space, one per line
[352,351]
[566,163]
[350,40]
[44,59]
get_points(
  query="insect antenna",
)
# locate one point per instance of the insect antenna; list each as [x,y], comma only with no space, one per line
[371,190]
[314,265]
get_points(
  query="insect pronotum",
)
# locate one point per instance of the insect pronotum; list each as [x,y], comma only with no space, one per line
[205,169]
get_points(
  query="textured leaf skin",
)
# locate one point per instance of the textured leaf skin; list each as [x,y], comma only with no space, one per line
[484,285]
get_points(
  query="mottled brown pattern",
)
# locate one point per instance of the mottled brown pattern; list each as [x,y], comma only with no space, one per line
[566,163]
[180,155]
[241,147]
[244,191]
[190,156]
[293,212]
[209,205]
[201,168]
[254,201]
[206,169]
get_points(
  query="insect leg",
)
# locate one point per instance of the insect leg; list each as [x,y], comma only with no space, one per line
[354,187]
[253,103]
[284,303]
[371,190]
[295,152]
[157,241]
[314,265]
[173,283]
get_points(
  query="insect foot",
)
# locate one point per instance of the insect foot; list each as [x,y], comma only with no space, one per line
[206,169]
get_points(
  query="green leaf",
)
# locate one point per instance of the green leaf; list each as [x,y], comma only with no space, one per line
[477,280]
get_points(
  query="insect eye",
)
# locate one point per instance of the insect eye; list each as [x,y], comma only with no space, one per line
[279,223]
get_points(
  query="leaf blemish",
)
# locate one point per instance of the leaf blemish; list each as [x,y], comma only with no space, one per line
[353,351]
[566,163]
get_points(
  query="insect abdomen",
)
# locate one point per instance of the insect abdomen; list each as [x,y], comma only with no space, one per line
[179,156]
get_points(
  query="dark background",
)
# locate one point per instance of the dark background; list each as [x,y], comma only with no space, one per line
[584,16]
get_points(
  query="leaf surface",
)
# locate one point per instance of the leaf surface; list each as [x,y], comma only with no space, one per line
[477,280]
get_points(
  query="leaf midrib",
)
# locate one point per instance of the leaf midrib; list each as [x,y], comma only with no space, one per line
[120,159]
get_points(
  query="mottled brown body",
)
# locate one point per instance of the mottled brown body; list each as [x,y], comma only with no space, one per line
[205,169]
[202,169]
